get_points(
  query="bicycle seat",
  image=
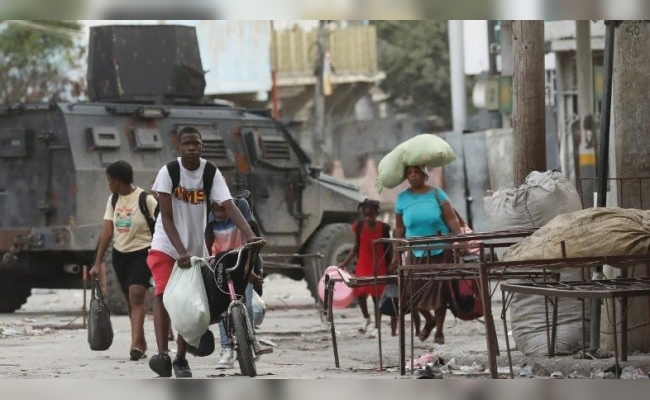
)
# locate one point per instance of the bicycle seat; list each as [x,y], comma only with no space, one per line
[242,194]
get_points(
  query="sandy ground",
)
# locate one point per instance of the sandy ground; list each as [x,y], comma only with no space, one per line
[45,339]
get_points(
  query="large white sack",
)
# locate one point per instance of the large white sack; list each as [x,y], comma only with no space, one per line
[602,231]
[590,232]
[542,196]
[528,320]
[187,302]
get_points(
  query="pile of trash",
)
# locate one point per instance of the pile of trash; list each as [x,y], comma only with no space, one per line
[433,366]
[26,329]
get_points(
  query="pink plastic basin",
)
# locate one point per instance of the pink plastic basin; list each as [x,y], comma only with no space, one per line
[342,295]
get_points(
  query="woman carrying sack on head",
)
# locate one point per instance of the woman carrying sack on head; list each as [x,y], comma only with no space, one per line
[424,210]
[366,231]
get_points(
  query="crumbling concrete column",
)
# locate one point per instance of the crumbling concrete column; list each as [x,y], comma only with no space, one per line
[630,137]
[631,111]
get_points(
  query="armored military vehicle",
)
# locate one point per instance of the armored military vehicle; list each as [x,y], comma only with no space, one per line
[145,83]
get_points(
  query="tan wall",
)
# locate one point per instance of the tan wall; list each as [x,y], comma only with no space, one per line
[353,50]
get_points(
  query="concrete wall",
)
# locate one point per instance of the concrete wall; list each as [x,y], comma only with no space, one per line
[631,110]
[631,133]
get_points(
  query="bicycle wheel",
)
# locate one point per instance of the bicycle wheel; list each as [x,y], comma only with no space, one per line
[244,344]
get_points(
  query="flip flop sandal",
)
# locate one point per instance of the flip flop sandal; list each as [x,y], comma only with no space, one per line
[137,354]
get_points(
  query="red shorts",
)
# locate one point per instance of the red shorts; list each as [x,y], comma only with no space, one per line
[161,265]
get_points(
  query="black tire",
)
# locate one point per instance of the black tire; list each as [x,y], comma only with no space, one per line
[334,242]
[244,344]
[13,297]
[117,302]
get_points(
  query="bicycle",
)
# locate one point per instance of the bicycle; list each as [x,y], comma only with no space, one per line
[238,325]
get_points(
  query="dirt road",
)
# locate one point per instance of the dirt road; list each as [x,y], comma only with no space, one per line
[45,339]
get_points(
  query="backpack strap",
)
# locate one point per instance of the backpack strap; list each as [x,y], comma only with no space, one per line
[142,201]
[209,171]
[114,200]
[174,170]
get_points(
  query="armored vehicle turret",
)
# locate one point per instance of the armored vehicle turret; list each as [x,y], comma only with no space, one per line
[145,84]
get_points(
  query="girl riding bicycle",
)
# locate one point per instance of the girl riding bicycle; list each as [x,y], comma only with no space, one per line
[223,235]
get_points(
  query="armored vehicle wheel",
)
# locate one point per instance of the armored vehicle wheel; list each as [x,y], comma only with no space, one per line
[333,241]
[13,297]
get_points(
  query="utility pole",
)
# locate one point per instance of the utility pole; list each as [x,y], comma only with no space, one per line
[529,111]
[506,64]
[319,98]
[586,151]
[457,75]
[495,116]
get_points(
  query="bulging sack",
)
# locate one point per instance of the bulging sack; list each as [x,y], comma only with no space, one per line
[187,302]
[100,329]
[424,149]
[427,149]
[543,196]
[390,171]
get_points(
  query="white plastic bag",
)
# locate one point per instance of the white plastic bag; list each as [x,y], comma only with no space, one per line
[259,309]
[187,303]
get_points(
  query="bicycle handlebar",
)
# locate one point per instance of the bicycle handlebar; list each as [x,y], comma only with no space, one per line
[250,244]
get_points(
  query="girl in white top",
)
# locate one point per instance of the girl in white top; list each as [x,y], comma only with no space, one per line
[125,223]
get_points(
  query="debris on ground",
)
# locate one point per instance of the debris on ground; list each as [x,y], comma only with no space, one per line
[600,374]
[533,370]
[268,342]
[631,372]
[423,360]
[597,354]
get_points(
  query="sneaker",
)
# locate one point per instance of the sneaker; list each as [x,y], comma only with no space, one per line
[364,325]
[161,364]
[227,360]
[372,334]
[182,368]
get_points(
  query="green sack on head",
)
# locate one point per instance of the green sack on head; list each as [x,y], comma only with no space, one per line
[424,149]
[427,149]
[390,171]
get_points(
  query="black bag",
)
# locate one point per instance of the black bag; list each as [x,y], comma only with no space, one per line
[206,345]
[216,286]
[100,329]
[388,302]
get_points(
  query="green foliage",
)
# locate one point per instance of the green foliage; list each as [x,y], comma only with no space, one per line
[415,57]
[36,57]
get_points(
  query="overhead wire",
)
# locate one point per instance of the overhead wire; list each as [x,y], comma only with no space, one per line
[53,30]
